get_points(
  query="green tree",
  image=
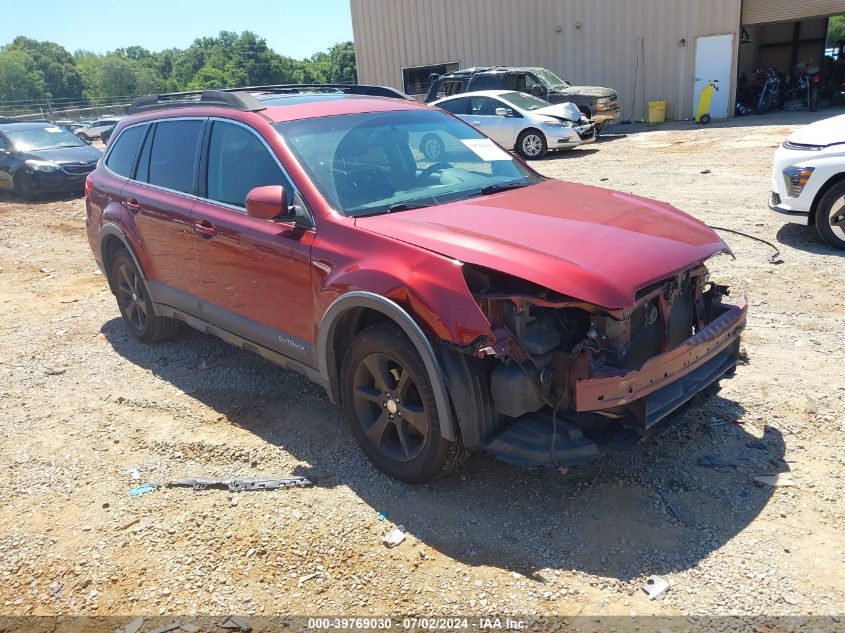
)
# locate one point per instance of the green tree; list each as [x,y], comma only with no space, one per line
[19,77]
[56,65]
[835,30]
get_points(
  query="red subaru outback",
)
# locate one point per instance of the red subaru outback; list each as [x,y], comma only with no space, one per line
[465,303]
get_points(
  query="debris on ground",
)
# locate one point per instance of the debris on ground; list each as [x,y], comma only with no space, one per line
[237,622]
[134,626]
[780,480]
[714,461]
[655,586]
[239,485]
[143,489]
[395,536]
[167,627]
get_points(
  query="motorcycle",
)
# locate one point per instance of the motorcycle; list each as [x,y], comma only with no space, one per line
[770,91]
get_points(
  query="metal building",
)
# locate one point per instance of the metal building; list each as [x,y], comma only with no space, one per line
[644,49]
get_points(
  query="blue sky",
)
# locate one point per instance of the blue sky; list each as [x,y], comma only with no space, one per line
[297,28]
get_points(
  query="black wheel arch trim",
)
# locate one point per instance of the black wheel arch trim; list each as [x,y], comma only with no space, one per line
[395,312]
[113,230]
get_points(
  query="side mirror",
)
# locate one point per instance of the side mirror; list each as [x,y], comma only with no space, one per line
[267,203]
[503,112]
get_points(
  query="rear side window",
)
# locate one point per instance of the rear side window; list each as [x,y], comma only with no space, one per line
[173,154]
[123,151]
[238,162]
[482,81]
[455,106]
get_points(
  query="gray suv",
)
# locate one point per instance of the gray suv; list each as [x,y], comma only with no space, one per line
[597,103]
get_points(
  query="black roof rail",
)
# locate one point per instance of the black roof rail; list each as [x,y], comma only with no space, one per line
[203,98]
[350,89]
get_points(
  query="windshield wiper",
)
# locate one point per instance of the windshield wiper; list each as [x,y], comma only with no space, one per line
[507,186]
[405,206]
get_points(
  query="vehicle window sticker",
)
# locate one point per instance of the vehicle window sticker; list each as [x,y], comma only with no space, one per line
[53,130]
[485,149]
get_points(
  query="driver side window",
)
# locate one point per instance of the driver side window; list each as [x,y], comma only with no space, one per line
[238,161]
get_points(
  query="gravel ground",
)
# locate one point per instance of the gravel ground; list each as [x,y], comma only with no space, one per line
[82,404]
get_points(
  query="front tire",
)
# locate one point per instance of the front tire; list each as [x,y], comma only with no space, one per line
[135,304]
[24,187]
[531,144]
[389,404]
[830,217]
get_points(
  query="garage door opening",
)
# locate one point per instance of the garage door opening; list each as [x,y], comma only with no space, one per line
[790,64]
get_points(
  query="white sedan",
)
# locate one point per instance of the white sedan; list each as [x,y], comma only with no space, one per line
[808,179]
[516,120]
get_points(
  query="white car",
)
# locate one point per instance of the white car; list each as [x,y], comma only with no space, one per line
[808,180]
[528,124]
[96,128]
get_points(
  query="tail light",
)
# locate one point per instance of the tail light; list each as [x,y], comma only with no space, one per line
[817,79]
[89,185]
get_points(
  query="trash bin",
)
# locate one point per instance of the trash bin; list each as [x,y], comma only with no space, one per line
[656,111]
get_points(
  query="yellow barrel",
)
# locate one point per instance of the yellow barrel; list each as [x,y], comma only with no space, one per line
[656,111]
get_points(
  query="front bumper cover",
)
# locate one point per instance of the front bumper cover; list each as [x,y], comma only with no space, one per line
[714,350]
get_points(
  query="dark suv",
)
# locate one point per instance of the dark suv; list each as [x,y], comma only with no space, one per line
[597,103]
[464,303]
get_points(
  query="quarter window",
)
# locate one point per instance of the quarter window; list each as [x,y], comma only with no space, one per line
[238,162]
[173,154]
[122,155]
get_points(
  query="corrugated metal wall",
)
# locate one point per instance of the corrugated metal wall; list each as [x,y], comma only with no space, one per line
[759,11]
[629,45]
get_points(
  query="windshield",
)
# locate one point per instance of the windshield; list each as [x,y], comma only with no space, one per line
[524,101]
[550,80]
[32,139]
[379,162]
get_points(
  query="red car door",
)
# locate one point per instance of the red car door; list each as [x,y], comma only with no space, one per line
[252,276]
[161,197]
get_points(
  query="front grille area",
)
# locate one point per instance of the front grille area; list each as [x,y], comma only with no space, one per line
[78,170]
[647,326]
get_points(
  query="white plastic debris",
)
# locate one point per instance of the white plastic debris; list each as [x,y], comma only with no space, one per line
[655,586]
[394,537]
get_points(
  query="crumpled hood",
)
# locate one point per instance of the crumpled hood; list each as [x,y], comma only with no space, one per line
[825,132]
[588,91]
[592,244]
[566,110]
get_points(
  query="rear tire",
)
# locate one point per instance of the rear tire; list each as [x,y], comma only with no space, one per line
[389,404]
[830,217]
[531,144]
[135,304]
[705,119]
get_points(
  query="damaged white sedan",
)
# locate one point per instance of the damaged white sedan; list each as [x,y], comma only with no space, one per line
[527,124]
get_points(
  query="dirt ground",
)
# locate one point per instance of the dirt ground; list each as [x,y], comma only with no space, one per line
[82,404]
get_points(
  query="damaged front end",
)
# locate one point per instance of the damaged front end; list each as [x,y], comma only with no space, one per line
[561,381]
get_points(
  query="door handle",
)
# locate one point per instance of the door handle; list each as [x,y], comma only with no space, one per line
[205,229]
[132,204]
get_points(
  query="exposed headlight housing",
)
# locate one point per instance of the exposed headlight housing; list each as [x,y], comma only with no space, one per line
[41,165]
[796,179]
[557,123]
[603,101]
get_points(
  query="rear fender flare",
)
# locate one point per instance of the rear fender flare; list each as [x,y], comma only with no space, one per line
[113,230]
[395,312]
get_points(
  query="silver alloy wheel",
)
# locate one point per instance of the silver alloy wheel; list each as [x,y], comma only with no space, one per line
[532,145]
[837,218]
[432,149]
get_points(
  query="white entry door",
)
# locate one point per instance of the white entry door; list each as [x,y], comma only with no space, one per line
[714,60]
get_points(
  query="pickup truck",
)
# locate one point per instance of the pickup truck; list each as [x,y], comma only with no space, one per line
[597,103]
